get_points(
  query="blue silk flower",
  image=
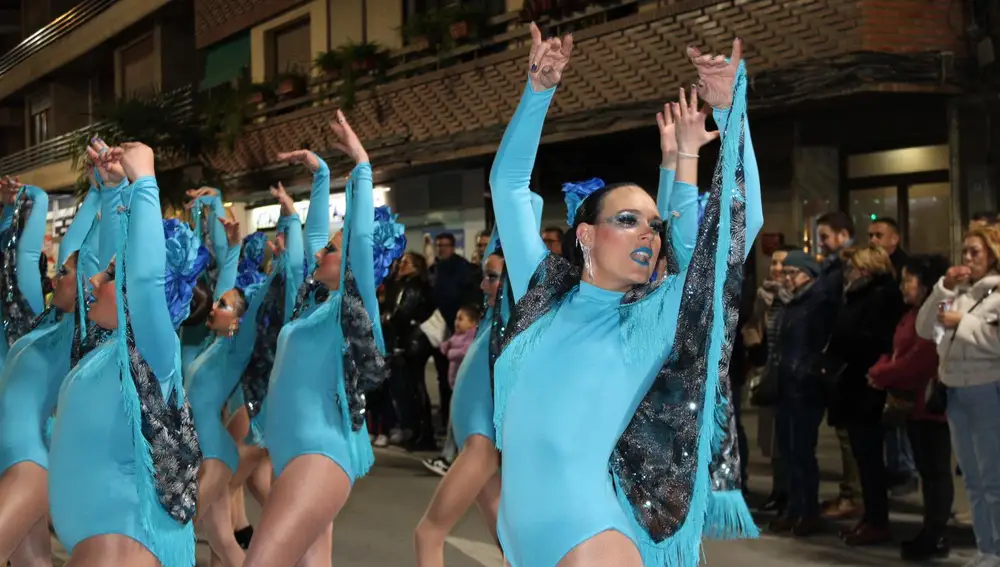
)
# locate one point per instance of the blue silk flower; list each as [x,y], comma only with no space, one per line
[389,240]
[186,259]
[575,193]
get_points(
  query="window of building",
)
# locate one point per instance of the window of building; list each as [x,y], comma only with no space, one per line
[289,49]
[413,7]
[139,71]
[39,114]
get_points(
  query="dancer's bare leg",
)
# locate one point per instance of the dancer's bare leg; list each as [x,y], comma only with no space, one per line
[213,485]
[475,465]
[260,480]
[238,509]
[105,550]
[303,503]
[24,500]
[36,547]
[238,425]
[216,523]
[320,553]
[488,502]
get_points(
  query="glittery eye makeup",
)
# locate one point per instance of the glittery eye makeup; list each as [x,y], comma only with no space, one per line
[631,220]
[110,273]
[62,272]
[330,248]
[491,276]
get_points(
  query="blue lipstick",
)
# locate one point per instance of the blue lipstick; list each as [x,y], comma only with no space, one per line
[642,256]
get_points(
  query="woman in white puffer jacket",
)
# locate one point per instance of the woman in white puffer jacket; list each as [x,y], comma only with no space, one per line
[961,315]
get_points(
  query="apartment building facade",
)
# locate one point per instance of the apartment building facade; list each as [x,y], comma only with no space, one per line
[866,105]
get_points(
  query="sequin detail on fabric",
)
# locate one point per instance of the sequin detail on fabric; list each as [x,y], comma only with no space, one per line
[168,427]
[17,314]
[365,368]
[270,319]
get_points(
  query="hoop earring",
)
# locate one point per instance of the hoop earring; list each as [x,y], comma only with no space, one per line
[587,263]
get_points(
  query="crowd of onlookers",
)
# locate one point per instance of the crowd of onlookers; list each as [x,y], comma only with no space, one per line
[900,355]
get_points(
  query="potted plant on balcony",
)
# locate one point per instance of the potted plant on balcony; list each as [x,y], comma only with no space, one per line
[359,60]
[291,84]
[420,30]
[260,93]
[467,22]
[330,63]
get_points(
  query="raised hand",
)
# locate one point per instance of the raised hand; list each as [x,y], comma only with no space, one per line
[548,59]
[286,202]
[690,124]
[716,75]
[9,188]
[136,159]
[233,233]
[302,157]
[195,194]
[668,136]
[277,245]
[347,141]
[100,155]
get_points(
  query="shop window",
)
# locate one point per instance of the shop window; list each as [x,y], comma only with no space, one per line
[897,162]
[289,49]
[869,204]
[138,68]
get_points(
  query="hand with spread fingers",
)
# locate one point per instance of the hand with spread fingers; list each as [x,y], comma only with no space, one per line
[548,59]
[302,157]
[689,121]
[195,194]
[284,199]
[100,155]
[347,141]
[277,245]
[136,158]
[716,75]
[668,136]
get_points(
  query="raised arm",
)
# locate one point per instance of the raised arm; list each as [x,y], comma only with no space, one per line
[676,201]
[361,254]
[317,230]
[145,263]
[109,227]
[220,245]
[751,177]
[291,242]
[510,179]
[80,227]
[29,249]
[230,260]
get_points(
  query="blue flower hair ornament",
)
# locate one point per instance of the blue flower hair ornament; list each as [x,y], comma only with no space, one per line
[186,260]
[576,193]
[389,241]
[249,272]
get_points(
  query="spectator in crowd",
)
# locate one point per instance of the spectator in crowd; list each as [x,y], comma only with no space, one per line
[862,333]
[454,283]
[836,233]
[902,471]
[482,241]
[961,315]
[906,375]
[552,236]
[803,329]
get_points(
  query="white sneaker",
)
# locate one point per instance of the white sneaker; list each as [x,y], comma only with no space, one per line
[381,441]
[983,560]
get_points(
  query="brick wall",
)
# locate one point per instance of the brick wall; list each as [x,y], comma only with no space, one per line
[215,20]
[908,26]
[621,72]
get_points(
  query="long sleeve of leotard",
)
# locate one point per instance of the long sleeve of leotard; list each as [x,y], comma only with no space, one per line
[229,271]
[751,176]
[318,220]
[145,264]
[220,245]
[362,254]
[678,205]
[110,225]
[80,227]
[509,184]
[291,226]
[29,249]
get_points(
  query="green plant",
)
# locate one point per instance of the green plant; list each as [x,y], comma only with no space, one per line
[330,62]
[291,83]
[260,93]
[467,21]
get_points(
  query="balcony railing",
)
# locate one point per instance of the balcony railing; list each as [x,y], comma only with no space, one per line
[52,32]
[179,103]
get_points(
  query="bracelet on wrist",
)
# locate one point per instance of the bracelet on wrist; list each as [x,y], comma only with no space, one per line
[691,156]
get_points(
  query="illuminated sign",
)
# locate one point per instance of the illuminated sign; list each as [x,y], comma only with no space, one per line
[266,217]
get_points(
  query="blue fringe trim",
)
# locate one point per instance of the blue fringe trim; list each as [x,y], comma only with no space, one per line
[172,548]
[728,517]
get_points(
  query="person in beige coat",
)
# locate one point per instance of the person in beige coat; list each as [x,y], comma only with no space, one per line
[961,315]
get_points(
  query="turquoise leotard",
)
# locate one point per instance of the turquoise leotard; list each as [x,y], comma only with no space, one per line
[38,361]
[472,400]
[95,482]
[572,393]
[303,413]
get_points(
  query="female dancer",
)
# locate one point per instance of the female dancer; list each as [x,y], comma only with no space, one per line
[662,428]
[473,476]
[328,356]
[111,501]
[22,230]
